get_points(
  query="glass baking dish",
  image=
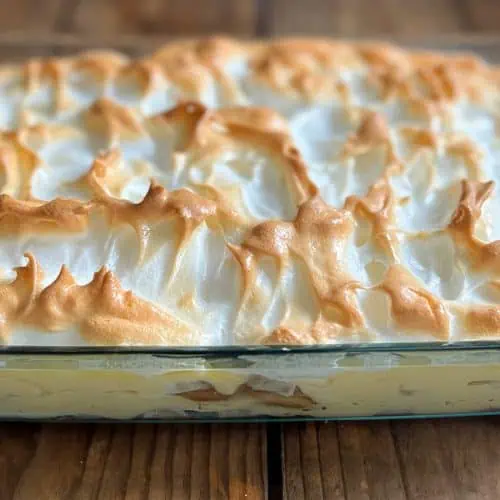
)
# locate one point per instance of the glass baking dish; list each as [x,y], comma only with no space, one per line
[363,381]
[254,383]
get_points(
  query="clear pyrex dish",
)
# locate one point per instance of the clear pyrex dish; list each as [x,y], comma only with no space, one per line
[183,384]
[365,381]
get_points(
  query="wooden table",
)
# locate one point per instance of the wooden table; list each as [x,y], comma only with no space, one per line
[427,459]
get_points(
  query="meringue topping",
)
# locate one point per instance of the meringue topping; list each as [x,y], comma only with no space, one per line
[219,192]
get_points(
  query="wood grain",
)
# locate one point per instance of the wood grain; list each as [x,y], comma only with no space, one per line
[482,15]
[365,18]
[32,16]
[344,460]
[248,17]
[431,459]
[450,458]
[369,461]
[132,462]
[311,469]
[174,17]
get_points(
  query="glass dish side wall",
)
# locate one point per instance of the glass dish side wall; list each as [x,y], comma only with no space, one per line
[324,385]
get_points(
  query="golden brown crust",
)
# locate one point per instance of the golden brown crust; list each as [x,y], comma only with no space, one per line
[483,321]
[317,237]
[378,207]
[412,306]
[101,310]
[193,64]
[308,69]
[305,68]
[205,134]
[16,298]
[59,215]
[482,255]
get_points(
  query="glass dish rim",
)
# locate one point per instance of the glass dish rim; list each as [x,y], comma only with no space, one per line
[233,351]
[453,42]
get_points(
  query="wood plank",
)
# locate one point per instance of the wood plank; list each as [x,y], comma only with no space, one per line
[369,461]
[173,17]
[425,470]
[450,458]
[424,17]
[483,15]
[337,461]
[365,18]
[33,16]
[431,459]
[188,17]
[471,447]
[58,460]
[327,17]
[17,449]
[132,461]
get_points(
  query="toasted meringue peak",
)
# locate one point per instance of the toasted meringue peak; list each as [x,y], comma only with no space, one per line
[217,192]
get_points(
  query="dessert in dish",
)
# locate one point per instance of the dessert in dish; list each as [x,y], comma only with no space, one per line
[321,385]
[237,193]
[224,193]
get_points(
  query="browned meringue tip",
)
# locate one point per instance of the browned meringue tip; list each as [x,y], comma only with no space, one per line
[102,311]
